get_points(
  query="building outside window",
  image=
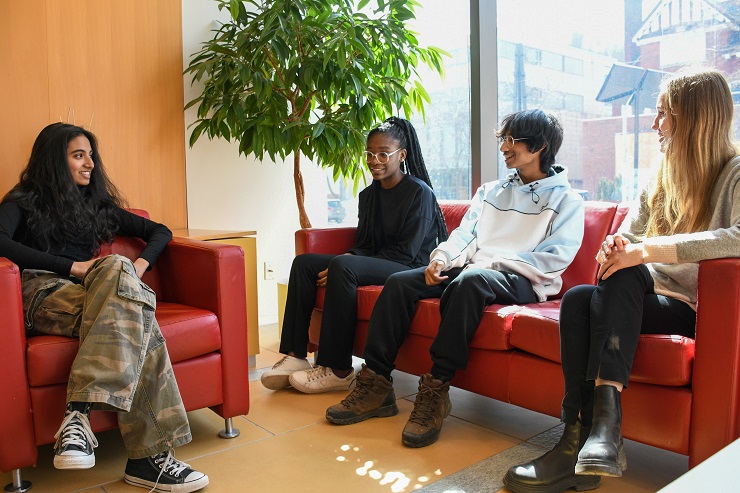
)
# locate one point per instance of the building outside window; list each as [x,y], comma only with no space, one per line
[573,59]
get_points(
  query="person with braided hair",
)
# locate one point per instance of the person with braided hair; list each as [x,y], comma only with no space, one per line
[399,224]
[511,247]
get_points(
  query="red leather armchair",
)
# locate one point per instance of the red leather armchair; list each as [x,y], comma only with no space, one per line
[683,396]
[201,309]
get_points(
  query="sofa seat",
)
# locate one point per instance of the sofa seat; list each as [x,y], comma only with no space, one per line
[660,359]
[189,332]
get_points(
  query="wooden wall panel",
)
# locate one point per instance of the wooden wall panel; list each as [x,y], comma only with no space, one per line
[115,67]
[24,84]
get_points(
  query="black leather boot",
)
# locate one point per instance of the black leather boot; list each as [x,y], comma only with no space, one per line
[554,471]
[603,452]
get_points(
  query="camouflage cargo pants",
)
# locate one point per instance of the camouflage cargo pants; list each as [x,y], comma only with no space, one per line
[122,363]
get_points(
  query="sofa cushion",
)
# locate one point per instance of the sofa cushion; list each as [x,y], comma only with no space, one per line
[189,332]
[660,359]
[493,331]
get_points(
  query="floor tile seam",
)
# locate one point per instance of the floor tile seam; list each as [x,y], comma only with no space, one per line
[470,474]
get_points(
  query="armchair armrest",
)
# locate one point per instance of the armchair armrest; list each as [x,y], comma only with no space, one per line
[210,276]
[17,445]
[324,240]
[716,382]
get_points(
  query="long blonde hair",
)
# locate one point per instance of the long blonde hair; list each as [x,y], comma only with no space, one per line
[699,104]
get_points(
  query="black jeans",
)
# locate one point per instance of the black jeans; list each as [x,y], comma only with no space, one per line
[600,327]
[464,297]
[339,318]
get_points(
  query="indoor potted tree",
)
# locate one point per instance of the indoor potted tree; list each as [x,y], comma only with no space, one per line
[309,77]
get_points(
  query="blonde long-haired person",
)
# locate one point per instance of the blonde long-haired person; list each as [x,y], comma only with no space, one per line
[648,280]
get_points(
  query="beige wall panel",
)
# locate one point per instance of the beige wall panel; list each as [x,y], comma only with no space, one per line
[24,87]
[115,67]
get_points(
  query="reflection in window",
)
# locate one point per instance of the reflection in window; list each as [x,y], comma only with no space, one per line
[599,72]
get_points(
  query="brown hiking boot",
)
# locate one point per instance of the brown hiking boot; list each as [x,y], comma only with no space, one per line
[432,406]
[372,397]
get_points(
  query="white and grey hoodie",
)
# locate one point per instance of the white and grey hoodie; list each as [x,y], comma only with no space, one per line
[532,229]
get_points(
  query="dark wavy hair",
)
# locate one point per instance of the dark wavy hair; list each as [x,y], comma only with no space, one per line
[403,131]
[58,210]
[542,131]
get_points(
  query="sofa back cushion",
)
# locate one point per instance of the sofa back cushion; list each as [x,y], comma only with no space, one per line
[453,210]
[601,218]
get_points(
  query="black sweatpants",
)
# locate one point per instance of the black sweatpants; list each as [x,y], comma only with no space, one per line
[339,318]
[600,327]
[464,297]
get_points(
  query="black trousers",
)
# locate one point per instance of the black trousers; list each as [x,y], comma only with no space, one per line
[339,319]
[464,297]
[600,327]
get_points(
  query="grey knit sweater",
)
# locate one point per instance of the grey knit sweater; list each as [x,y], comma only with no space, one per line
[674,260]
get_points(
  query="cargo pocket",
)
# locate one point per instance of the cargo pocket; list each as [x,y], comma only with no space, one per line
[132,288]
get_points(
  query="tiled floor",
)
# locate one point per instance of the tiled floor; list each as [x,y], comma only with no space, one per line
[286,445]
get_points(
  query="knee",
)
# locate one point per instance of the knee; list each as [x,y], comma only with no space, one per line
[468,281]
[342,265]
[112,262]
[577,295]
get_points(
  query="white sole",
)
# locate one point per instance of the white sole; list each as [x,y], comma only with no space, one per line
[167,488]
[74,461]
[275,382]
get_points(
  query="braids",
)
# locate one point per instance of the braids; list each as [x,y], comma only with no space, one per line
[402,131]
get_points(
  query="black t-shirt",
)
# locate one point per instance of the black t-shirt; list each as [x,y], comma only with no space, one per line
[17,240]
[398,223]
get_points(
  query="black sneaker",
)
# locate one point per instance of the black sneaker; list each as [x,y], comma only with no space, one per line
[162,472]
[75,442]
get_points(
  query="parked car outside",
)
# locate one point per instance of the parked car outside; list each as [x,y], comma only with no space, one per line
[336,211]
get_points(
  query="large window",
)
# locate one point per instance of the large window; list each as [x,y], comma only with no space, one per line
[597,66]
[594,64]
[445,136]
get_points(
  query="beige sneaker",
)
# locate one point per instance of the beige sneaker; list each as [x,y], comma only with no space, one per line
[320,379]
[432,406]
[372,397]
[278,377]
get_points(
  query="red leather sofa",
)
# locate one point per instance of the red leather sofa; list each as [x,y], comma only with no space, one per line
[201,309]
[684,394]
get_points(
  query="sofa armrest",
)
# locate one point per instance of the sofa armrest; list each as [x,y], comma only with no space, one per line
[324,240]
[17,447]
[211,276]
[716,382]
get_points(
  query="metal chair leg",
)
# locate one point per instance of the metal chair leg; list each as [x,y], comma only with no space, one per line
[18,485]
[229,431]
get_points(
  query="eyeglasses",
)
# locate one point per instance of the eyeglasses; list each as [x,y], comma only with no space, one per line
[509,140]
[380,157]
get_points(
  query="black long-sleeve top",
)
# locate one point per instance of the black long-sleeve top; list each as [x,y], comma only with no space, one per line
[16,240]
[398,223]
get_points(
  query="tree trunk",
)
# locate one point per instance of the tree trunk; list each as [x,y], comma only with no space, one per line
[299,191]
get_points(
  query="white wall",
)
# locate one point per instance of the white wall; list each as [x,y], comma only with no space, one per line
[227,191]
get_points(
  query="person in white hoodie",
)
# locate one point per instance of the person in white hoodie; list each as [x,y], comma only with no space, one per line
[511,247]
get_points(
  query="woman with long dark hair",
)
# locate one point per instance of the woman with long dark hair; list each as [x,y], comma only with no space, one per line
[399,225]
[52,225]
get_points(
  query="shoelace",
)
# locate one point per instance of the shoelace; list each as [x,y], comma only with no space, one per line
[426,401]
[75,430]
[362,388]
[171,465]
[318,373]
[280,363]
[176,467]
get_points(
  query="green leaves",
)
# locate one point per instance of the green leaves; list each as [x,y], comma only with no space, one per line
[309,76]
